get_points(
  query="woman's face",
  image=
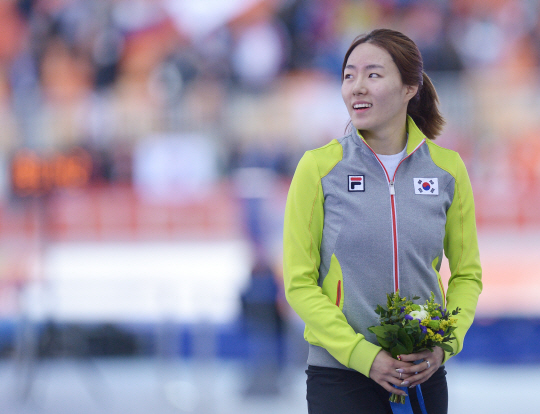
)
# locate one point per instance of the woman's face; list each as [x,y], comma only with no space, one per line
[373,92]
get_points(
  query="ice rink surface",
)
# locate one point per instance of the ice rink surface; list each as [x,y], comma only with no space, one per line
[140,385]
[149,385]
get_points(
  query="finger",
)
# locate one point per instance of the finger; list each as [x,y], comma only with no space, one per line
[388,387]
[403,374]
[417,379]
[408,370]
[400,366]
[404,381]
[424,370]
[387,381]
[419,382]
[400,380]
[421,377]
[415,369]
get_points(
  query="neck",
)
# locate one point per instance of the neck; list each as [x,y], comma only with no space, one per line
[386,142]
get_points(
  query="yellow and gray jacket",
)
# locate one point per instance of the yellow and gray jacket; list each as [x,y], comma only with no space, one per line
[353,234]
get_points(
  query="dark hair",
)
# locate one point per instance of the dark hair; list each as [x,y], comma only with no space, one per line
[423,107]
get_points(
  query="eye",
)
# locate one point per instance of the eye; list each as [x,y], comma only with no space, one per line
[374,75]
[347,76]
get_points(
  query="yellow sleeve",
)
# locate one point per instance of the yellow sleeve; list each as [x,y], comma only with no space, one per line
[326,324]
[461,249]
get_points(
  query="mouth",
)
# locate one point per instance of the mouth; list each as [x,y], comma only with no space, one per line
[360,107]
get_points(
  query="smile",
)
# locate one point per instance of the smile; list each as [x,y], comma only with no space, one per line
[362,105]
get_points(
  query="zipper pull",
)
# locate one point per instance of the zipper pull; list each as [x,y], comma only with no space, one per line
[392,190]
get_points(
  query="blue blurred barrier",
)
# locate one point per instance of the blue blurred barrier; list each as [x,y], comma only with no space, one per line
[512,340]
[490,340]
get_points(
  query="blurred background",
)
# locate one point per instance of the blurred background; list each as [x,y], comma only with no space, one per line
[146,149]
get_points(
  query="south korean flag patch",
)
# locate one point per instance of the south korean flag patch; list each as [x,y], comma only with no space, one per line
[426,186]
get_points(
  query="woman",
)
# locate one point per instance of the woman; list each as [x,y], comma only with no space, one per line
[372,213]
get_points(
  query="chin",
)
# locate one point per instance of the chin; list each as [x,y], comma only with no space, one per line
[361,126]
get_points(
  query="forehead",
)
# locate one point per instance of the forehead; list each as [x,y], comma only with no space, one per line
[368,54]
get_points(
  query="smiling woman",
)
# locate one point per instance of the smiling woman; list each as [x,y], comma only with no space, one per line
[373,213]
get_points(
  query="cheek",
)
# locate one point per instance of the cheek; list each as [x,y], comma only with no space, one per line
[391,96]
[345,94]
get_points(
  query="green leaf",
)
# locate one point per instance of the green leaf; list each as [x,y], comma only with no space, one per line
[380,310]
[398,350]
[434,325]
[385,333]
[378,330]
[405,339]
[393,329]
[385,343]
[447,348]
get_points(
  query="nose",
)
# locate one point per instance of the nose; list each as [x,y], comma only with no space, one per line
[359,87]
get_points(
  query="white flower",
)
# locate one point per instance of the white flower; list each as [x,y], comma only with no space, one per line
[421,314]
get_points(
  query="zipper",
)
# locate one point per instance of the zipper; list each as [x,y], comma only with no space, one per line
[338,300]
[394,230]
[392,191]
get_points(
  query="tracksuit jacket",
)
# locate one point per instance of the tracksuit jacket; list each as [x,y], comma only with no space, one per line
[353,234]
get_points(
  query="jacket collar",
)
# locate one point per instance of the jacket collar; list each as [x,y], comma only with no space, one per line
[414,140]
[416,137]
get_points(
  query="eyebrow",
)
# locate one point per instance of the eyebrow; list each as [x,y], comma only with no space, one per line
[374,66]
[368,67]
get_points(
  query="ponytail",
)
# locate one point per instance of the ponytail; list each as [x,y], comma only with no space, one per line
[423,109]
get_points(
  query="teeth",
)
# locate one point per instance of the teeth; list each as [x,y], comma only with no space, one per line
[363,105]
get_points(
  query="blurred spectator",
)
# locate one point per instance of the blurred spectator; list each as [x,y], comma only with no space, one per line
[258,55]
[314,29]
[427,23]
[263,325]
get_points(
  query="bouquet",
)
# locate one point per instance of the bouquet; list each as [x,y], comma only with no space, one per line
[408,328]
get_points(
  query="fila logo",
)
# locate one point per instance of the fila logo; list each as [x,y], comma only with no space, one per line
[356,183]
[426,186]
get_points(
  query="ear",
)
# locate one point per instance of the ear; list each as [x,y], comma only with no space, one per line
[410,91]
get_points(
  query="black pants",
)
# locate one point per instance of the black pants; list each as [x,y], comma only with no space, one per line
[340,391]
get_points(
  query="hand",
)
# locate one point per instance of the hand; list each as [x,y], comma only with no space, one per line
[419,373]
[384,372]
